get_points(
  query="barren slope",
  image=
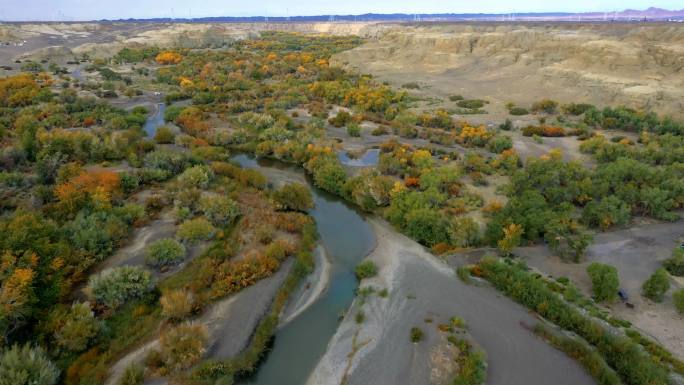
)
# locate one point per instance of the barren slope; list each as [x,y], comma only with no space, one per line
[604,64]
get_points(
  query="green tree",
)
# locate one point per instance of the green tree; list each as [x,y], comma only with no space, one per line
[164,252]
[605,282]
[328,174]
[607,212]
[427,226]
[75,328]
[464,232]
[293,196]
[567,238]
[24,365]
[656,286]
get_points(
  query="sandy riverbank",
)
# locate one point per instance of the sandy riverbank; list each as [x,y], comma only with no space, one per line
[422,288]
[311,289]
[230,322]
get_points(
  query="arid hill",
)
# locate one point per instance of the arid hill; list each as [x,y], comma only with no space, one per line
[605,64]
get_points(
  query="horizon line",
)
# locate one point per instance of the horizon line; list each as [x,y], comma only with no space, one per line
[395,15]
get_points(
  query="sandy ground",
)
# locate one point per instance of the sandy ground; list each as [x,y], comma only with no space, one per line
[636,253]
[311,289]
[421,287]
[230,323]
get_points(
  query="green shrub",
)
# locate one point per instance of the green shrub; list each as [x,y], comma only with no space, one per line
[675,264]
[113,287]
[678,298]
[455,98]
[171,113]
[472,104]
[580,350]
[354,130]
[27,366]
[164,135]
[293,196]
[632,363]
[195,230]
[507,125]
[416,335]
[133,375]
[472,367]
[604,279]
[220,210]
[411,86]
[656,286]
[360,317]
[341,119]
[463,273]
[546,105]
[499,144]
[576,108]
[164,252]
[532,131]
[518,111]
[366,269]
[196,176]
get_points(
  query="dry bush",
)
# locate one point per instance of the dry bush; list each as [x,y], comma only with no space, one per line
[180,348]
[177,304]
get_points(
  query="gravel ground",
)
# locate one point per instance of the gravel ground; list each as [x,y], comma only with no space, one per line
[636,253]
[420,287]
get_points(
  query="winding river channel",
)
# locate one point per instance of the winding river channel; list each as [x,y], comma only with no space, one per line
[515,354]
[347,239]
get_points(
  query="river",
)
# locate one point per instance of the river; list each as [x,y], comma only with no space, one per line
[155,121]
[347,238]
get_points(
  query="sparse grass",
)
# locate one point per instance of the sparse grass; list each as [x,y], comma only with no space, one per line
[463,273]
[360,317]
[416,335]
[366,269]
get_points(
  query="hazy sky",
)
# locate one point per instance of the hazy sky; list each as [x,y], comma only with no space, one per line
[115,9]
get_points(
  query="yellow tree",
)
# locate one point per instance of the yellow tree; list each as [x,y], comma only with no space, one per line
[512,237]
